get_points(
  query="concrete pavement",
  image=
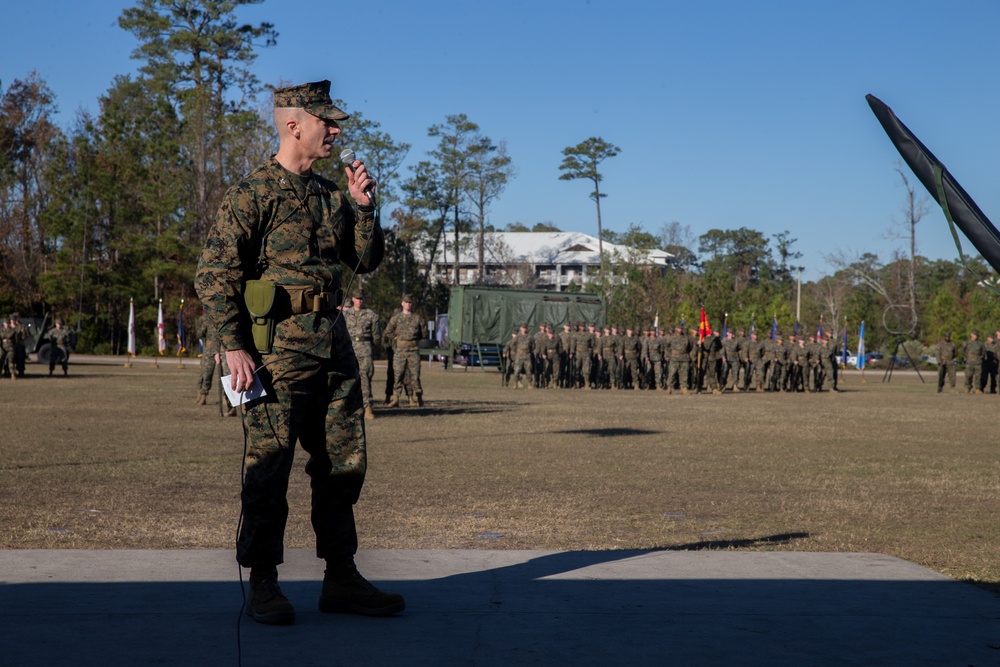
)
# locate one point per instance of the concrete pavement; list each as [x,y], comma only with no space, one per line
[471,607]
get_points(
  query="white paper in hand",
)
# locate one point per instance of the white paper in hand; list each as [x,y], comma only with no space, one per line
[255,391]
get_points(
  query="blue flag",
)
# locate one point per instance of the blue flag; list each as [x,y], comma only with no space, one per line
[181,347]
[861,347]
[774,327]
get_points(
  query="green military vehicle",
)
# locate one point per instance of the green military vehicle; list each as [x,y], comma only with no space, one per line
[481,319]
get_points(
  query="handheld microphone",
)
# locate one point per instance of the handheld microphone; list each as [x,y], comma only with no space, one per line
[348,157]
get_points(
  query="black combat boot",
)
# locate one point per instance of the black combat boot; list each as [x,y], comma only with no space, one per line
[266,603]
[345,591]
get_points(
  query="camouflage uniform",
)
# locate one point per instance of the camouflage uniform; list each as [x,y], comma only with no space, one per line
[694,368]
[584,356]
[680,360]
[946,362]
[795,361]
[828,362]
[974,352]
[612,355]
[630,352]
[655,357]
[777,354]
[18,355]
[756,349]
[553,351]
[7,351]
[295,231]
[730,361]
[522,349]
[815,348]
[61,342]
[566,339]
[711,347]
[990,365]
[403,332]
[596,363]
[212,345]
[537,363]
[741,371]
[363,327]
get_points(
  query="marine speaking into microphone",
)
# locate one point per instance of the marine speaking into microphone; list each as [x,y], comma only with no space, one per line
[348,158]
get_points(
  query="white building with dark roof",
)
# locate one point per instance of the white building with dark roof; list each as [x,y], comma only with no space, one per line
[540,260]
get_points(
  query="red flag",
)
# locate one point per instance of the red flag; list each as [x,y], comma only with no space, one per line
[703,327]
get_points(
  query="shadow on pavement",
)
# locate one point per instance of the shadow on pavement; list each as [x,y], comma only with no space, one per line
[527,608]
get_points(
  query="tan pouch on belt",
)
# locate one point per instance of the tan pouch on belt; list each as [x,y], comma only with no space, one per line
[300,297]
[259,297]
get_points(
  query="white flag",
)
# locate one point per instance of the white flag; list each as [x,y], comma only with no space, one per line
[131,327]
[161,338]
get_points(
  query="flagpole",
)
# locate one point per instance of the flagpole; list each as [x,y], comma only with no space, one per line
[159,336]
[180,337]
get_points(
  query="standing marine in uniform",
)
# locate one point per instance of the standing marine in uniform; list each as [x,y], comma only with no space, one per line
[828,361]
[61,341]
[566,355]
[537,362]
[730,361]
[507,358]
[613,348]
[777,356]
[212,355]
[7,351]
[711,348]
[990,365]
[631,352]
[405,329]
[19,355]
[814,357]
[946,362]
[553,351]
[583,347]
[363,327]
[522,350]
[269,277]
[680,359]
[974,352]
[655,349]
[756,352]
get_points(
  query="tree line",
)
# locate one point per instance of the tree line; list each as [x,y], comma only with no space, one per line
[117,207]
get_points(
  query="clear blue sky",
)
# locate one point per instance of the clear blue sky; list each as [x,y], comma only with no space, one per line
[728,113]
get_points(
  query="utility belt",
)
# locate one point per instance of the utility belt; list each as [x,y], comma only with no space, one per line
[269,303]
[405,344]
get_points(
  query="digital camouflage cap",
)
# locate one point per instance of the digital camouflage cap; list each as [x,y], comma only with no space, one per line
[313,97]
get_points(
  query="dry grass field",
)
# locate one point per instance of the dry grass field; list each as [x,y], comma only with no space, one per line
[111,457]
